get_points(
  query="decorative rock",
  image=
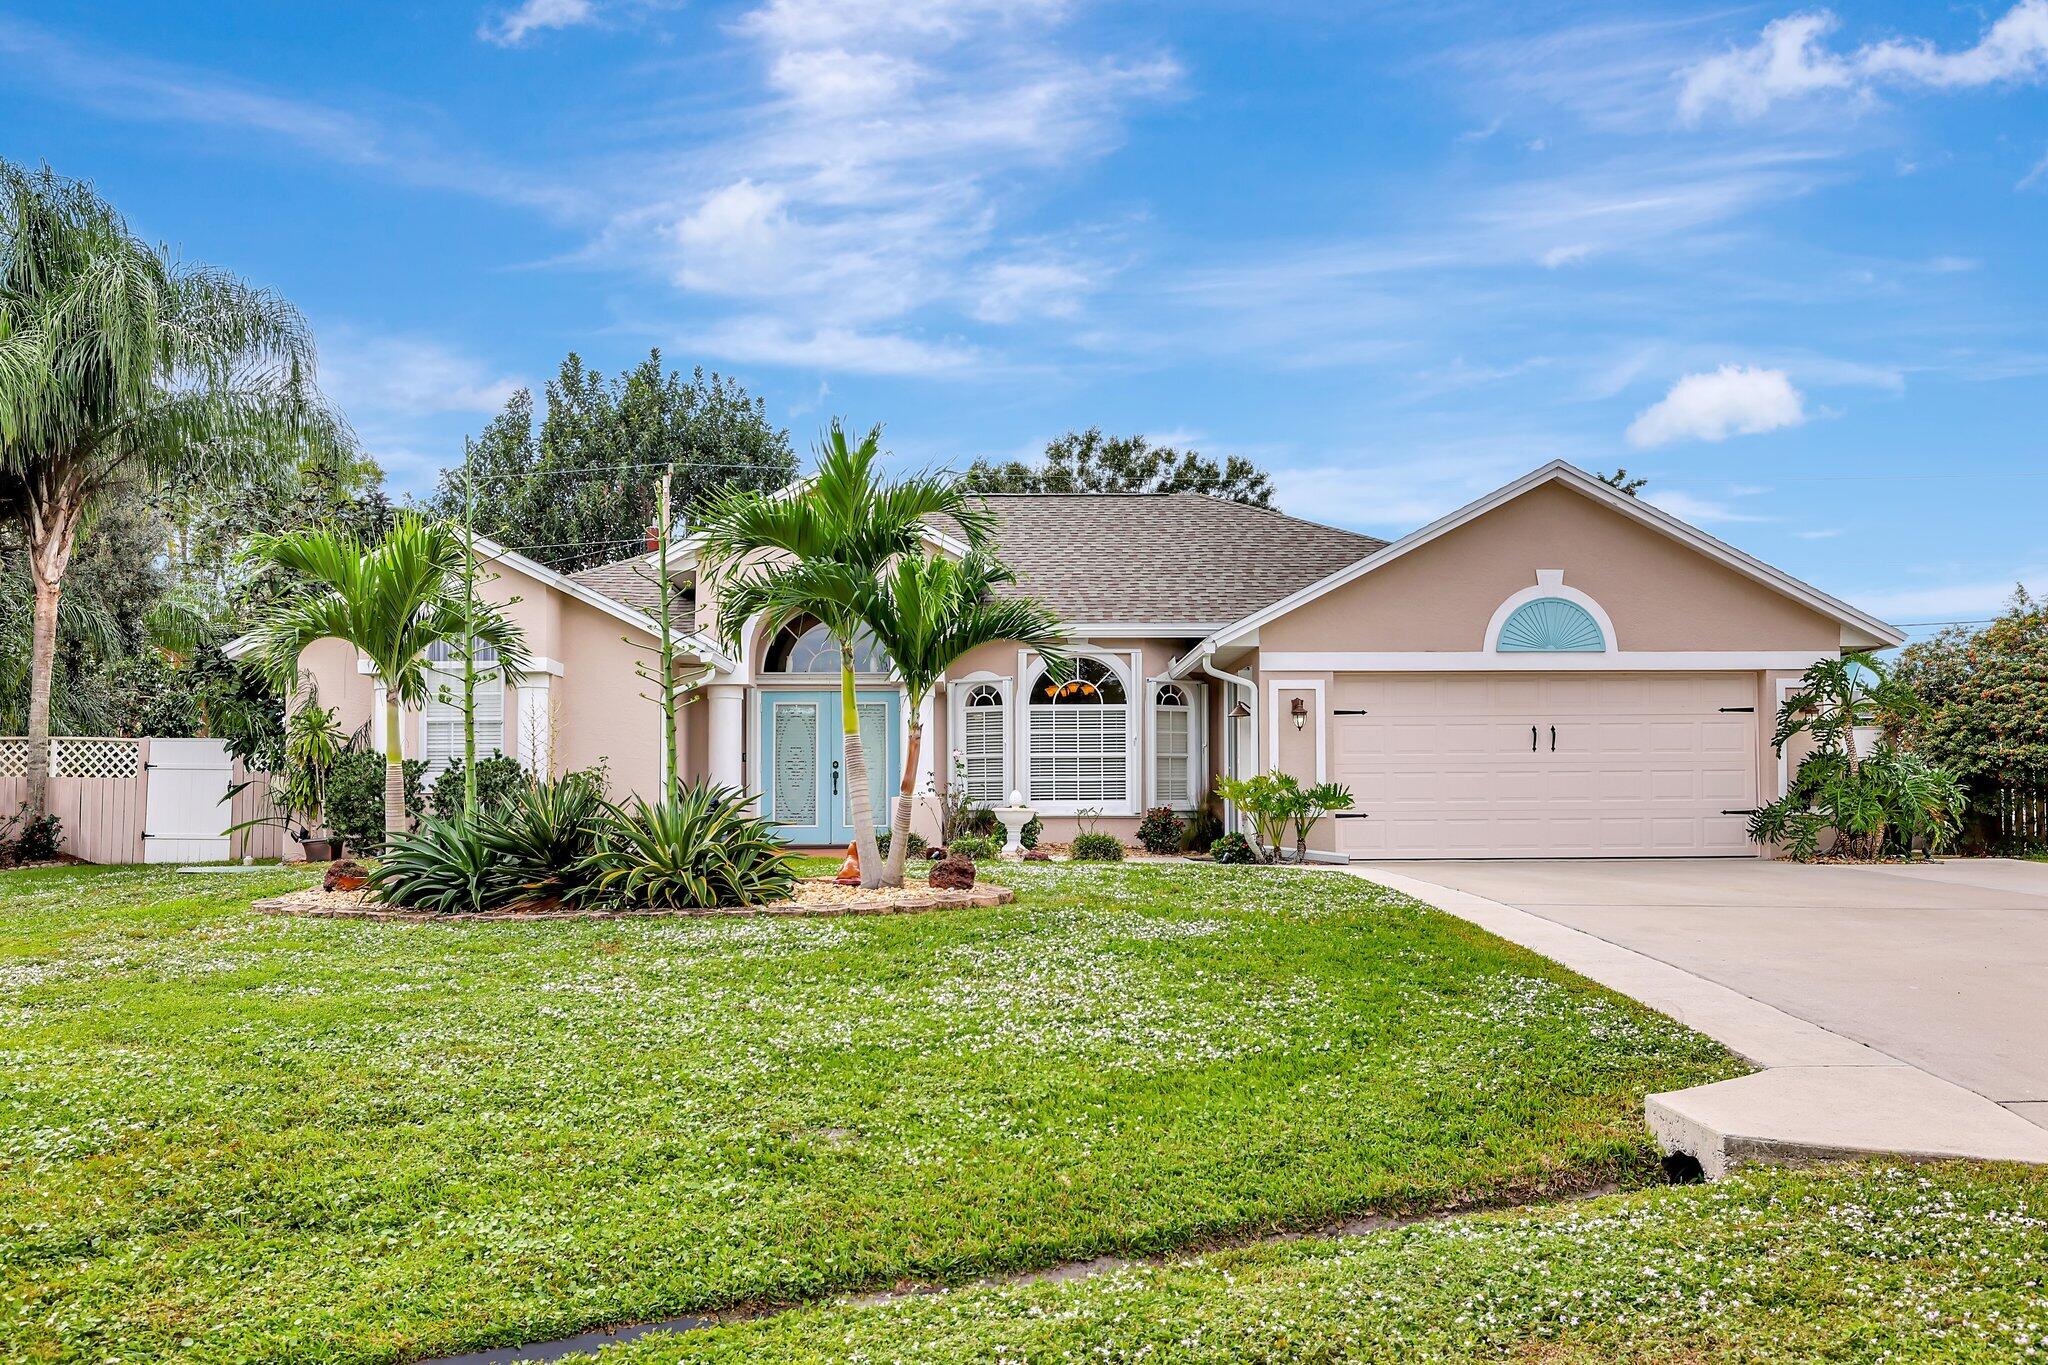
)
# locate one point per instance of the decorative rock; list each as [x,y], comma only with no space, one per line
[1037,855]
[345,875]
[953,874]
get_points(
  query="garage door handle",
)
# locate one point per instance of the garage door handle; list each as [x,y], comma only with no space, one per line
[1532,739]
[1553,739]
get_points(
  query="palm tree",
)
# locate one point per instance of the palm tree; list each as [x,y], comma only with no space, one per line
[120,368]
[776,546]
[926,612]
[1836,698]
[392,600]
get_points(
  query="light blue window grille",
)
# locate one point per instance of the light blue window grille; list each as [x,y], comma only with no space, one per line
[1551,625]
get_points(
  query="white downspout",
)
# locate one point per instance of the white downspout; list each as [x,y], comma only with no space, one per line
[1231,680]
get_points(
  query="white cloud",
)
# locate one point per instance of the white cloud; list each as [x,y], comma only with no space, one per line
[1950,601]
[1688,507]
[1565,255]
[407,376]
[1735,400]
[1789,61]
[774,341]
[1009,290]
[511,29]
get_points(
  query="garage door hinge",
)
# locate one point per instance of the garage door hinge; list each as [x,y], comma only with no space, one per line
[1350,713]
[1749,709]
[1354,815]
[1750,811]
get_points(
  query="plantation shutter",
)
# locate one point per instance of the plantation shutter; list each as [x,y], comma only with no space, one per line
[983,738]
[444,721]
[1078,753]
[1171,754]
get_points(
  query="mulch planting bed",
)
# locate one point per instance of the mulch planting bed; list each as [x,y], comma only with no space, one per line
[814,896]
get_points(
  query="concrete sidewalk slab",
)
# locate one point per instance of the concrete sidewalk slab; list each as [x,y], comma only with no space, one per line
[1826,1094]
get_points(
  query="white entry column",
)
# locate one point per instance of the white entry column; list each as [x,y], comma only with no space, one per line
[728,725]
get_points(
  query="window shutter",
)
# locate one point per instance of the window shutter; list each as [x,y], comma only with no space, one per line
[981,745]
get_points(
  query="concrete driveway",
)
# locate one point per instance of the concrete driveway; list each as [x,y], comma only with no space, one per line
[1942,966]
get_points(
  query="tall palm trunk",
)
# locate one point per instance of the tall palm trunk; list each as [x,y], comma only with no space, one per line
[395,822]
[899,826]
[860,803]
[52,531]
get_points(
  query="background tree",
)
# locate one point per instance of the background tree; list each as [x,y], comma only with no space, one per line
[119,370]
[1984,699]
[1089,462]
[578,486]
[391,600]
[1620,481]
[846,520]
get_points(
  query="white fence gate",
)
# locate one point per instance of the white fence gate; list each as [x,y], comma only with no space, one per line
[185,811]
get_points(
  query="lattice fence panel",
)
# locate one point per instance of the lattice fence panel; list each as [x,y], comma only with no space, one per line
[109,758]
[13,757]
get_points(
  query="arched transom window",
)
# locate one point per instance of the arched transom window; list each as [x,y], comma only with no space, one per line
[1173,746]
[1079,738]
[805,646]
[1551,625]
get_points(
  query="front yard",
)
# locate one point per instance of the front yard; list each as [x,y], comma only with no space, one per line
[226,1136]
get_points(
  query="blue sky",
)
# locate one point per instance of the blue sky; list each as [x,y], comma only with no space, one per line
[1788,262]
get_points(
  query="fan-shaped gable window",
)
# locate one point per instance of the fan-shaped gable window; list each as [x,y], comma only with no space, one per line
[1079,736]
[805,646]
[1551,625]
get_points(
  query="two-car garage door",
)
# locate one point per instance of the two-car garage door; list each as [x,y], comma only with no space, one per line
[1535,765]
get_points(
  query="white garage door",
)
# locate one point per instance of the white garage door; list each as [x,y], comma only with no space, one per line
[1545,765]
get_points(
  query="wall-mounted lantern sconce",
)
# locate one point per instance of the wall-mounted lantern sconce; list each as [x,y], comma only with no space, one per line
[1299,710]
[1238,709]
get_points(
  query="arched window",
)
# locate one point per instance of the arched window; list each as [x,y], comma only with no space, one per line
[1079,737]
[1173,746]
[1551,625]
[805,646]
[984,743]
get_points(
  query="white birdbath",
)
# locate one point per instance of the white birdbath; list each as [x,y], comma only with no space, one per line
[1014,816]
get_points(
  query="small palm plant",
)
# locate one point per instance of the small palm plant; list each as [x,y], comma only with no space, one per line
[774,549]
[392,600]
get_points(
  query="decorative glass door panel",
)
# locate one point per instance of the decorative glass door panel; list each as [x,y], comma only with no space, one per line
[803,782]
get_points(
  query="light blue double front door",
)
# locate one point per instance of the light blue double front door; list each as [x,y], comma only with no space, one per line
[803,784]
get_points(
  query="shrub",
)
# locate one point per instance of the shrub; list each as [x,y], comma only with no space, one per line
[355,798]
[1033,831]
[1204,828]
[498,780]
[26,838]
[1096,847]
[543,836]
[1232,848]
[446,866]
[973,846]
[703,850]
[980,821]
[1161,830]
[916,843]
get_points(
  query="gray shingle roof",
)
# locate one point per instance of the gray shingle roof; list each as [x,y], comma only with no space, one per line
[1137,558]
[1157,558]
[631,582]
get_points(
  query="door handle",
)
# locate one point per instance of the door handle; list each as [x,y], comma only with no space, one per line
[1553,739]
[835,777]
[1532,739]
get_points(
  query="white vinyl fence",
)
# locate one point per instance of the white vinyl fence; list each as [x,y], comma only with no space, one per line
[145,800]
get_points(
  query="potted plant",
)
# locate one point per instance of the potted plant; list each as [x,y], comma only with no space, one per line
[313,743]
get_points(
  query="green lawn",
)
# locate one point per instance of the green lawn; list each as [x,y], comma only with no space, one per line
[1941,1264]
[228,1136]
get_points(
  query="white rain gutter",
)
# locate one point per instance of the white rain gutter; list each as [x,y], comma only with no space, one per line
[1230,680]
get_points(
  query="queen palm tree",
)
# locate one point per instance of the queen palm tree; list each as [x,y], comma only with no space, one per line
[926,612]
[775,548]
[120,368]
[392,600]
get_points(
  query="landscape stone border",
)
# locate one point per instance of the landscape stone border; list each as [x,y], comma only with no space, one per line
[313,903]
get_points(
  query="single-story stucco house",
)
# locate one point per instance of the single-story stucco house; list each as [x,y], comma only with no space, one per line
[1554,670]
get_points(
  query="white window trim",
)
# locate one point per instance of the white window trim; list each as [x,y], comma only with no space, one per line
[1122,662]
[1550,583]
[1480,661]
[956,720]
[1273,688]
[1198,742]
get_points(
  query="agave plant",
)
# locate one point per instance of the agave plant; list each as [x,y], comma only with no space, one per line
[701,850]
[543,835]
[446,866]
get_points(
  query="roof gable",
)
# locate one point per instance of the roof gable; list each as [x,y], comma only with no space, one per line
[1860,629]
